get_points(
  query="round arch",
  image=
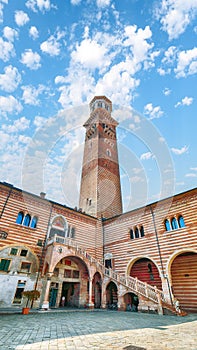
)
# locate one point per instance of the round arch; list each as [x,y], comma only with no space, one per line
[69,282]
[174,255]
[112,295]
[56,227]
[146,270]
[182,267]
[96,290]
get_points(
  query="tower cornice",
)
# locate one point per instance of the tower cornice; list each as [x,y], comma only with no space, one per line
[100,115]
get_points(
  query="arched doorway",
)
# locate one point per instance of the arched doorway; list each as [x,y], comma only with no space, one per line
[131,302]
[96,295]
[69,283]
[146,271]
[112,296]
[184,280]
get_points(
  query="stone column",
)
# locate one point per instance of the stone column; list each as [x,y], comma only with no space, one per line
[103,296]
[45,304]
[121,303]
[90,303]
[160,308]
[59,294]
[166,288]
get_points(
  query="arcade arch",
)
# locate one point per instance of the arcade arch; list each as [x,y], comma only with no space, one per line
[145,270]
[69,283]
[112,295]
[182,270]
[96,290]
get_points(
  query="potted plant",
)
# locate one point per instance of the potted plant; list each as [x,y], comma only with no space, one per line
[31,295]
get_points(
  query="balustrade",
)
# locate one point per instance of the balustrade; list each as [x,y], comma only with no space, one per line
[135,285]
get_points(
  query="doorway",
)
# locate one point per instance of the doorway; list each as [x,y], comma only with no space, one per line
[70,291]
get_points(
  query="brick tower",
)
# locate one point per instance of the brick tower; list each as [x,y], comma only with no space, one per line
[100,193]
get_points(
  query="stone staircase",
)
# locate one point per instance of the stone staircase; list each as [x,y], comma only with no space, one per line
[130,283]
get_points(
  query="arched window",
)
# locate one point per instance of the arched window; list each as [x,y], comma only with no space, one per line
[27,220]
[181,221]
[34,222]
[131,234]
[20,217]
[174,224]
[136,232]
[142,231]
[167,225]
[59,227]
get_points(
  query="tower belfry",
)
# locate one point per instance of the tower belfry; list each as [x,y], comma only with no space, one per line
[100,193]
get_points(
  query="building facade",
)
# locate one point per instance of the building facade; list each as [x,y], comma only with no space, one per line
[97,256]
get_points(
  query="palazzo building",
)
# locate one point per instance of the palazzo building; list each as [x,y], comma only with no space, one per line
[98,256]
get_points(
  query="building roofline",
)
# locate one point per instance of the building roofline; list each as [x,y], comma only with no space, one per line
[45,199]
[149,204]
[90,216]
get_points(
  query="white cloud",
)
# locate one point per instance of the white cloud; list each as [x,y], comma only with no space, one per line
[137,40]
[9,33]
[146,156]
[10,80]
[18,125]
[41,5]
[75,2]
[136,179]
[2,2]
[179,151]
[118,82]
[9,105]
[162,71]
[39,122]
[153,112]
[21,18]
[90,54]
[51,46]
[191,175]
[60,79]
[194,169]
[170,55]
[187,63]
[33,32]
[176,15]
[6,50]
[169,59]
[186,101]
[30,94]
[79,84]
[167,91]
[103,3]
[31,59]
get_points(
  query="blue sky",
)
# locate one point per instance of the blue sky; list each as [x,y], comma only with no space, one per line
[55,56]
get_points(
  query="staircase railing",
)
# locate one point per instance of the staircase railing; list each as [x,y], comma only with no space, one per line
[131,283]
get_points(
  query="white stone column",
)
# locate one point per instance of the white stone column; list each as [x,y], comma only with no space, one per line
[45,304]
[166,288]
[90,303]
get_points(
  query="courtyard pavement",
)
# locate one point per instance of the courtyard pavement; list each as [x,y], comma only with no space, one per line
[100,329]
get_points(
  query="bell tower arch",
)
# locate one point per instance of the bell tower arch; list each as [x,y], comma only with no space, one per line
[100,193]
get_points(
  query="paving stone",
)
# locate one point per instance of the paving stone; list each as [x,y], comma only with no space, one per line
[97,331]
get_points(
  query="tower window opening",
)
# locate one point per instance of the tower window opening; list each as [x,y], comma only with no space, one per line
[108,152]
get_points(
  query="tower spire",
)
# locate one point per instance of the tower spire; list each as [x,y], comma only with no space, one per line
[100,193]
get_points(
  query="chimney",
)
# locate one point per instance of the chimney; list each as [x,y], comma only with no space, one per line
[42,195]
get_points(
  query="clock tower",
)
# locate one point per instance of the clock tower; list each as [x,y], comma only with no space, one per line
[100,193]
